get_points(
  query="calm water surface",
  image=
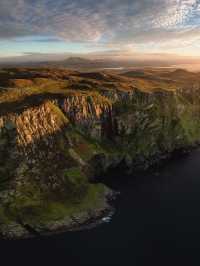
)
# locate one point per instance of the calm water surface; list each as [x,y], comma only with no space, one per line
[157,221]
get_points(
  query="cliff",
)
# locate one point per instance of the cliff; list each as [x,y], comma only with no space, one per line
[54,143]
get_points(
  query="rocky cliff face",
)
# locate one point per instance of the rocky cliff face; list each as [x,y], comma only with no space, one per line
[89,113]
[44,162]
[137,126]
[52,148]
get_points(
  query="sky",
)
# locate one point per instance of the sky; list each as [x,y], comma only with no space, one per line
[107,28]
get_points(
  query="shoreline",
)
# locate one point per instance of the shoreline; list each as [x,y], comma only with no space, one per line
[89,219]
[81,221]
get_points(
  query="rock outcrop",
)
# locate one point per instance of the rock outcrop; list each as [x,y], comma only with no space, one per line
[52,145]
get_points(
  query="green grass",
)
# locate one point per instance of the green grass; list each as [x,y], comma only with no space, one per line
[76,184]
[33,206]
[4,219]
[56,210]
[35,210]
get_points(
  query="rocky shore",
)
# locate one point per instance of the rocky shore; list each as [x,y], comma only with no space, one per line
[82,220]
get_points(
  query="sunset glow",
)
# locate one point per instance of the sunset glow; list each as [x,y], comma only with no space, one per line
[89,27]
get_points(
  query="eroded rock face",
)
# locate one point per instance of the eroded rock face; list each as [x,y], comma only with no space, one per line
[90,113]
[133,124]
[31,160]
[50,150]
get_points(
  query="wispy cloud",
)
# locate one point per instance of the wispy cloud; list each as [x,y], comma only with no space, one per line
[107,23]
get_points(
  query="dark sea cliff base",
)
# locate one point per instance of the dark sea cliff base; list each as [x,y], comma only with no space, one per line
[88,219]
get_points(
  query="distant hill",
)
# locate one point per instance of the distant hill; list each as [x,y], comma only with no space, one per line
[77,60]
[81,63]
[181,74]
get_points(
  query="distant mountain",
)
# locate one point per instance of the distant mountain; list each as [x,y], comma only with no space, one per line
[77,60]
[71,61]
[79,63]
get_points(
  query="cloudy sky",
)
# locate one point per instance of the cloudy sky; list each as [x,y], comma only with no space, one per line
[106,27]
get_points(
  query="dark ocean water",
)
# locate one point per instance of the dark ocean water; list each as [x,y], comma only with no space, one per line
[157,222]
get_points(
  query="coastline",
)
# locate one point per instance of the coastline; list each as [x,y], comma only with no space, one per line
[87,219]
[84,220]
